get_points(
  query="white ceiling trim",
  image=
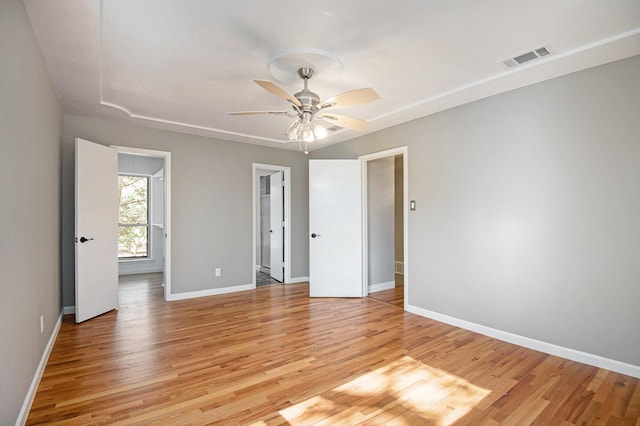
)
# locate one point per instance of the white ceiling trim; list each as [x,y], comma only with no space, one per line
[181,124]
[556,57]
[131,114]
[181,66]
[521,68]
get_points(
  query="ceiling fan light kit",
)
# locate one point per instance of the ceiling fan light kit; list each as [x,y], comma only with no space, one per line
[304,129]
[308,110]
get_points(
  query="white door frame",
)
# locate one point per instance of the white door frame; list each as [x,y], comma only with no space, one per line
[166,156]
[404,151]
[287,215]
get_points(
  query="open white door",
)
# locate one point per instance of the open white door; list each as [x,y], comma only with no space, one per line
[277,226]
[335,224]
[96,228]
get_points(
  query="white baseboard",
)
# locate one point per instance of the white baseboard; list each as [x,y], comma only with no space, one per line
[67,310]
[295,280]
[373,288]
[33,388]
[210,292]
[538,345]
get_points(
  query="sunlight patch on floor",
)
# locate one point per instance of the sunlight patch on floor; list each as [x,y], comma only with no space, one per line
[402,392]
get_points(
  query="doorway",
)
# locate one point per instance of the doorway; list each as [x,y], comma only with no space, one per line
[271,224]
[155,167]
[385,225]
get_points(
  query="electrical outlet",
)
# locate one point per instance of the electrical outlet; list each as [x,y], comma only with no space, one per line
[218,272]
[41,324]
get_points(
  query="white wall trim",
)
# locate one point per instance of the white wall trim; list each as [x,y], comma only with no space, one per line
[527,342]
[373,288]
[296,280]
[33,388]
[67,310]
[225,290]
[210,292]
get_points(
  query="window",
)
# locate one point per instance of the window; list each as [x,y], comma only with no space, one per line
[133,219]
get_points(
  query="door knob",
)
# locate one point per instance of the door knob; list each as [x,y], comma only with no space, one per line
[84,240]
[314,235]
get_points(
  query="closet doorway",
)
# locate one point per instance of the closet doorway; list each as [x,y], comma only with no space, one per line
[271,210]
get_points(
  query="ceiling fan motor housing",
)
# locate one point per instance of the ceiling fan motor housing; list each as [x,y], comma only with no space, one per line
[308,99]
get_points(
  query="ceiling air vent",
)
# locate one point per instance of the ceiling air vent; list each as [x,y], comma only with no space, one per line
[528,56]
[543,51]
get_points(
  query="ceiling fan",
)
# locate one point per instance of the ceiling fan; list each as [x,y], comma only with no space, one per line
[307,109]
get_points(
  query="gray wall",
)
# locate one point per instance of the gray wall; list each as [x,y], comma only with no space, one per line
[211,197]
[528,210]
[380,220]
[30,134]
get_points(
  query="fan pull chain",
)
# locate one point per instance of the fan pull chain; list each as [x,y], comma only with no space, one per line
[306,151]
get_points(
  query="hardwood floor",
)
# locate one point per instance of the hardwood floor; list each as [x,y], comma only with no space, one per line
[263,279]
[394,296]
[274,356]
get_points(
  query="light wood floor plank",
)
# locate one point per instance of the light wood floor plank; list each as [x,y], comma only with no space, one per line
[273,356]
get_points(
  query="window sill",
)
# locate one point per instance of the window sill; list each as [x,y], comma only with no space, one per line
[135,260]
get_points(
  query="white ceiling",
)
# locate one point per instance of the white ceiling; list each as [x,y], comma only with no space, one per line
[182,65]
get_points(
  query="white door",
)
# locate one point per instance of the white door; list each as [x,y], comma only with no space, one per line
[276,229]
[335,225]
[96,229]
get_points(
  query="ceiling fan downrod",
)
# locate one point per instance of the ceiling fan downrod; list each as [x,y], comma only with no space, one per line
[305,73]
[307,98]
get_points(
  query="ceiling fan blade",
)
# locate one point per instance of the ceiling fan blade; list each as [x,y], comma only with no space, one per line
[278,91]
[345,121]
[353,97]
[256,112]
